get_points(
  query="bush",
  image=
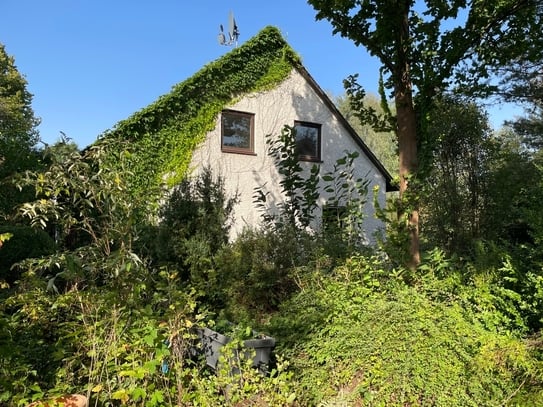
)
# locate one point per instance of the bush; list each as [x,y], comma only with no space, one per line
[361,338]
[119,353]
[25,243]
[258,271]
[194,224]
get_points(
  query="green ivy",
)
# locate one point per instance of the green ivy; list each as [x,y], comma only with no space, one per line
[164,134]
[361,336]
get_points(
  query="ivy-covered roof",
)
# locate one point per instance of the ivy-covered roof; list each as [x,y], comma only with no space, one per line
[162,136]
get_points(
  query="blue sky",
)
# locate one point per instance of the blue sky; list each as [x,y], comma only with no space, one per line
[92,63]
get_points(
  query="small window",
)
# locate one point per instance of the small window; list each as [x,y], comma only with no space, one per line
[333,217]
[308,140]
[237,132]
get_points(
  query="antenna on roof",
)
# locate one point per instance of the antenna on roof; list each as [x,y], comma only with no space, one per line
[233,32]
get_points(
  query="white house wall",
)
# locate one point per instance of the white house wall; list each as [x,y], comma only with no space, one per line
[294,99]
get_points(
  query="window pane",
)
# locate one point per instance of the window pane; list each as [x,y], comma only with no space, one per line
[308,140]
[236,131]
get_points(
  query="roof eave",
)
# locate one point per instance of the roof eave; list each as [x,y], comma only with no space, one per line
[390,187]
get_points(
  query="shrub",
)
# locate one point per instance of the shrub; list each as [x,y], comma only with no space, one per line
[361,338]
[194,224]
[118,353]
[258,271]
[25,242]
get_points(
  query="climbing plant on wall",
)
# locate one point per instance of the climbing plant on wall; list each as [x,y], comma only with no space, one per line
[164,135]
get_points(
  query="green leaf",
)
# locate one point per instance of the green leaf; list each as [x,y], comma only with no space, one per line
[139,394]
[121,394]
[156,398]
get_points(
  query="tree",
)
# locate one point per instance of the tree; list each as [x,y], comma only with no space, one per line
[514,193]
[523,84]
[85,204]
[383,144]
[18,129]
[427,48]
[195,223]
[453,198]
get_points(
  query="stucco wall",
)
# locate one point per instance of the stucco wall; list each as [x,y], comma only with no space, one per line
[293,100]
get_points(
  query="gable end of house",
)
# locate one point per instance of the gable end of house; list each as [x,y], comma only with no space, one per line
[163,136]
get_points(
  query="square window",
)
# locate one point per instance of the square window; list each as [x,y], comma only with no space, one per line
[333,217]
[237,130]
[308,140]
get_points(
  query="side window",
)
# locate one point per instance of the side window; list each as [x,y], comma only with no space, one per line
[237,132]
[333,217]
[308,140]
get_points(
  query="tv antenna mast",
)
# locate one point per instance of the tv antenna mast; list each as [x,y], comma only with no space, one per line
[233,32]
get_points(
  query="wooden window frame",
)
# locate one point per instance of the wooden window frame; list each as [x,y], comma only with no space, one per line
[318,127]
[240,115]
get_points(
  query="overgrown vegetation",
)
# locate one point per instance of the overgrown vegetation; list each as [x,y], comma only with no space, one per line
[108,296]
[360,336]
[114,320]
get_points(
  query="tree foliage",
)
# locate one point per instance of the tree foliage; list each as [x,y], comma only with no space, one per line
[18,130]
[17,121]
[382,143]
[430,47]
[458,163]
[194,225]
[523,83]
[85,207]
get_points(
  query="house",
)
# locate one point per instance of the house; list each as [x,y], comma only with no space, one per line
[222,116]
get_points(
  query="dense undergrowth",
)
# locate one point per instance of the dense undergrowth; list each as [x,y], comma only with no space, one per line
[112,312]
[360,337]
[357,335]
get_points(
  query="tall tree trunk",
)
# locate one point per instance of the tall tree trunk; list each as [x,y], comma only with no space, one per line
[406,130]
[407,143]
